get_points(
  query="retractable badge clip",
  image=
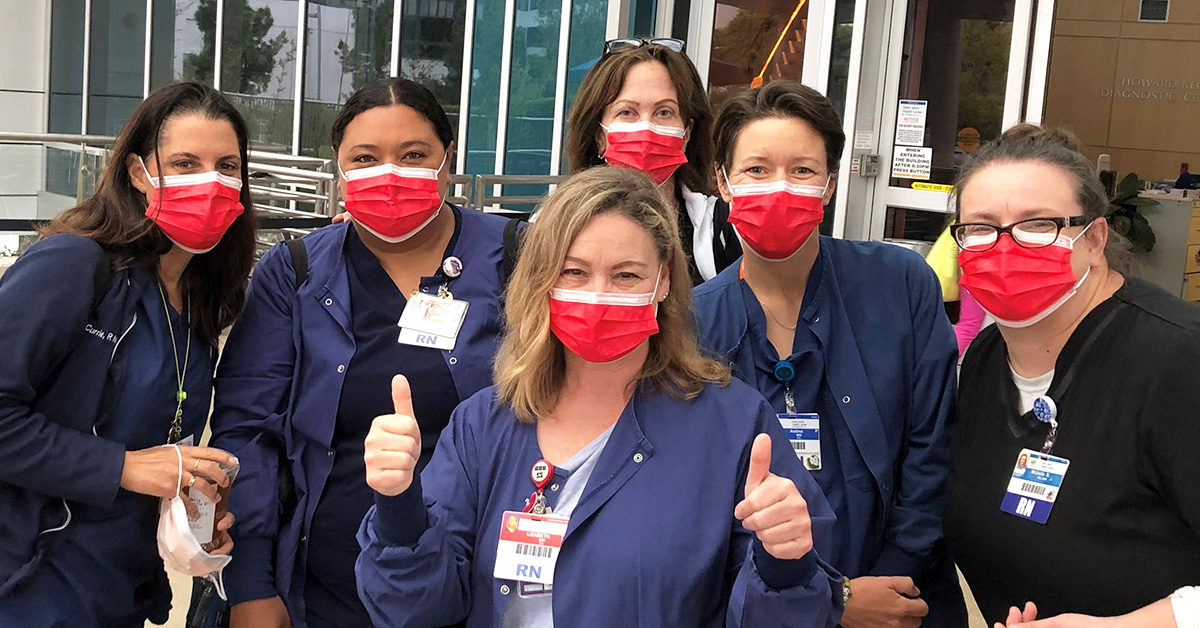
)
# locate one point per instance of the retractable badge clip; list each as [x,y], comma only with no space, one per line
[1045,410]
[541,474]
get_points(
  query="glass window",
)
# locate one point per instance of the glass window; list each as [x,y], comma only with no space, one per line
[258,66]
[589,21]
[431,49]
[66,66]
[954,75]
[182,38]
[755,41]
[531,93]
[485,87]
[1154,10]
[349,44]
[116,65]
[642,15]
[839,59]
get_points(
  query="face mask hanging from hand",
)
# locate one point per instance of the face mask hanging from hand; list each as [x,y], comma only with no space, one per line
[194,210]
[177,545]
[775,219]
[391,202]
[603,326]
[1019,286]
[651,148]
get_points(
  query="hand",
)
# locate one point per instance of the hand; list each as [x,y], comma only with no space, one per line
[224,541]
[340,218]
[1027,618]
[884,602]
[155,471]
[265,613]
[773,508]
[1018,616]
[394,444]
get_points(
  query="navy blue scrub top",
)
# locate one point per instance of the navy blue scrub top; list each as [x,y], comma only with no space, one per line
[840,459]
[106,568]
[331,597]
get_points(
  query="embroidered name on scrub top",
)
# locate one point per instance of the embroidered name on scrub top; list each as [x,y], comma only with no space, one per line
[429,321]
[1035,485]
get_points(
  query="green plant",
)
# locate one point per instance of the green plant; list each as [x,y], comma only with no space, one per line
[1123,215]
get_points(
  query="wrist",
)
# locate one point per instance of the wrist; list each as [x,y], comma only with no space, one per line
[847,592]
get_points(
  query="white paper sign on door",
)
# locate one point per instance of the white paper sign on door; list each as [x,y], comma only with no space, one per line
[910,122]
[911,162]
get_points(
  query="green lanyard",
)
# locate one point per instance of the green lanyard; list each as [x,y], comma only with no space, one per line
[176,432]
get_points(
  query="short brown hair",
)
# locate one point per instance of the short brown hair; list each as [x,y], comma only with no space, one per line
[780,99]
[529,369]
[602,85]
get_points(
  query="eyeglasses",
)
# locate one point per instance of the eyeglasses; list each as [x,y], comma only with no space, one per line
[1032,233]
[628,43]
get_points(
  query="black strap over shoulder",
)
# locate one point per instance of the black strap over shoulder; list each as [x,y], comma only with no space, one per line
[101,275]
[512,248]
[726,246]
[299,252]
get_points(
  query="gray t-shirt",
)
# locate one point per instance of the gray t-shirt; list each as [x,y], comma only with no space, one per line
[530,606]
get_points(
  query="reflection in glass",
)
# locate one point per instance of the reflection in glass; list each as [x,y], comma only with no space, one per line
[66,66]
[956,58]
[349,44]
[431,49]
[531,93]
[116,65]
[485,87]
[588,24]
[179,48]
[755,41]
[839,58]
[258,64]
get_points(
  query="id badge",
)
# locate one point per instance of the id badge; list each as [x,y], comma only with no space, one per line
[1035,485]
[804,432]
[529,546]
[429,321]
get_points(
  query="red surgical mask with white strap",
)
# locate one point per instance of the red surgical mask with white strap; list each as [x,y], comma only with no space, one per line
[194,210]
[603,326]
[1020,286]
[654,149]
[391,202]
[775,219]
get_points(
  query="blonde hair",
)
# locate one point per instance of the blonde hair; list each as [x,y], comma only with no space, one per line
[530,366]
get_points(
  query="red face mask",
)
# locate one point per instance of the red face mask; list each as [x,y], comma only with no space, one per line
[1019,286]
[654,149]
[602,326]
[391,202]
[194,210]
[775,219]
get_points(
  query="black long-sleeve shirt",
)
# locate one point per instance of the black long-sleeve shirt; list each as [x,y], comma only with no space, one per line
[1125,529]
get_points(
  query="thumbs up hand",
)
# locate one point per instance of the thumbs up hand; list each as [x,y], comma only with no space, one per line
[393,445]
[773,508]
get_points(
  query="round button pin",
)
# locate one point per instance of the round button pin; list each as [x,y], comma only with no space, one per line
[541,473]
[784,371]
[452,267]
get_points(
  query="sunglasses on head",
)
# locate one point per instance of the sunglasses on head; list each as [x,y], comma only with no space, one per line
[627,43]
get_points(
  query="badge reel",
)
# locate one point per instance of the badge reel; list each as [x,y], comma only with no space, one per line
[803,429]
[1036,481]
[531,539]
[434,321]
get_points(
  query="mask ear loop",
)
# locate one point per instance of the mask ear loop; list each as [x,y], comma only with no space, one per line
[179,482]
[657,280]
[154,183]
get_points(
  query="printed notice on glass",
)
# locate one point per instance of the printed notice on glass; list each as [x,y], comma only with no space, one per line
[911,162]
[864,140]
[910,123]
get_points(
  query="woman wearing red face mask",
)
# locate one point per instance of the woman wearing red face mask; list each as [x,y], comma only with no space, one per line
[409,284]
[110,325]
[850,344]
[643,106]
[614,476]
[1088,377]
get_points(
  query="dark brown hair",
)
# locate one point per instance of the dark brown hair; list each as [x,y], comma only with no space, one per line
[779,99]
[385,92]
[214,283]
[603,84]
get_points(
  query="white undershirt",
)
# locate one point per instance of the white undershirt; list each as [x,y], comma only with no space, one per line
[1031,388]
[1185,603]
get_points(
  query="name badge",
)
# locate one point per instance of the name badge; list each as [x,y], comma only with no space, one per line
[1035,485]
[529,546]
[804,432]
[429,321]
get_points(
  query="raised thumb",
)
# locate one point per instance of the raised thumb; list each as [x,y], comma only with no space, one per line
[402,396]
[760,462]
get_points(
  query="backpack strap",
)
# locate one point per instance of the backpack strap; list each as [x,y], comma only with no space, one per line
[299,252]
[512,248]
[100,277]
[726,246]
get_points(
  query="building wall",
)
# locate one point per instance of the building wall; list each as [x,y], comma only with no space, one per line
[1128,88]
[23,83]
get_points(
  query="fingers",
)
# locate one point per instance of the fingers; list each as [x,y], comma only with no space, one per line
[206,453]
[1030,613]
[760,462]
[904,586]
[225,522]
[208,470]
[916,608]
[402,396]
[224,545]
[773,503]
[200,485]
